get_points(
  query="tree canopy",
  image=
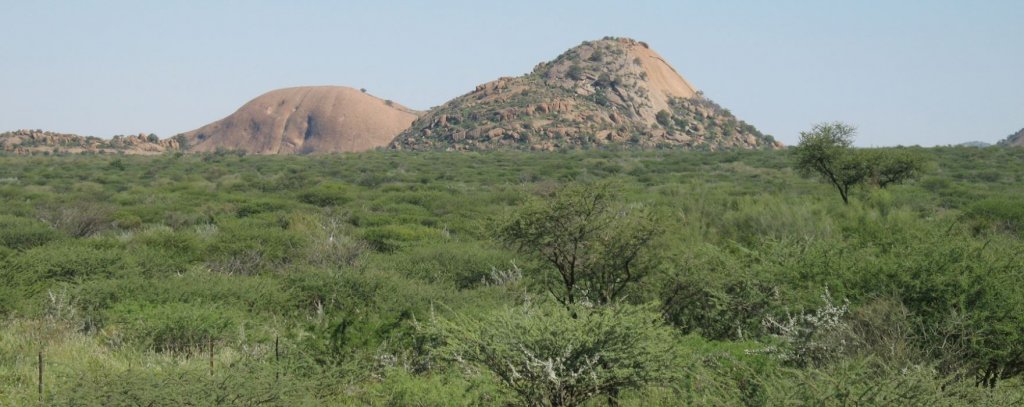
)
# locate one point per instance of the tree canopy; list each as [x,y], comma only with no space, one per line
[596,246]
[827,151]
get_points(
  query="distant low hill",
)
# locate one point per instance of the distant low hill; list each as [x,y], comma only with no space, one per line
[319,119]
[614,91]
[979,144]
[27,142]
[1014,140]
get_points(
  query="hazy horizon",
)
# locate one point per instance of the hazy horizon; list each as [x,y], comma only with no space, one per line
[916,72]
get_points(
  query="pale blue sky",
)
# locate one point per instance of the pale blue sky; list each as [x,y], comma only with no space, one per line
[905,72]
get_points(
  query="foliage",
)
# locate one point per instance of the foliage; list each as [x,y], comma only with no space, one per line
[1001,213]
[80,219]
[21,233]
[315,277]
[183,142]
[712,294]
[826,151]
[173,327]
[597,247]
[664,118]
[548,356]
[575,72]
[893,166]
[811,339]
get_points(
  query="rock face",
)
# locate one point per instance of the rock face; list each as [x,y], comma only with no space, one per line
[615,91]
[322,119]
[1014,140]
[27,142]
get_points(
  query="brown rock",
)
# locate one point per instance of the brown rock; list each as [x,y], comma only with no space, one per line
[321,119]
[495,133]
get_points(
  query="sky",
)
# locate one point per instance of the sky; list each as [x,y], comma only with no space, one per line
[904,72]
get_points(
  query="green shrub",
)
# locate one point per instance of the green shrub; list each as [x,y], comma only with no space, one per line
[464,265]
[256,296]
[546,355]
[173,327]
[241,383]
[9,297]
[1001,213]
[327,195]
[252,246]
[713,295]
[127,221]
[399,387]
[664,118]
[575,72]
[257,207]
[389,238]
[21,233]
[39,267]
[79,219]
[773,218]
[179,243]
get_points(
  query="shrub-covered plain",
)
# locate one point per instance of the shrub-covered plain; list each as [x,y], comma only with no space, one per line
[393,278]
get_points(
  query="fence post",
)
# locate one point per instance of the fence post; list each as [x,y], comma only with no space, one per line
[277,358]
[211,356]
[42,399]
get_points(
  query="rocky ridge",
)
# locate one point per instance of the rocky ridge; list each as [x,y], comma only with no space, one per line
[28,142]
[611,92]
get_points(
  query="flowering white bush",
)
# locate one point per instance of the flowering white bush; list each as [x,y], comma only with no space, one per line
[811,339]
[547,357]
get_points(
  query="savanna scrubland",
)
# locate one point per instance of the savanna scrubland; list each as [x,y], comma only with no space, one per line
[406,278]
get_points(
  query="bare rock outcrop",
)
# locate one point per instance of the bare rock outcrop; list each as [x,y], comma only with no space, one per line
[320,119]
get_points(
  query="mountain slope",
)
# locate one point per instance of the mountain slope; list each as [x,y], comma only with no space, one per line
[1014,140]
[321,119]
[615,91]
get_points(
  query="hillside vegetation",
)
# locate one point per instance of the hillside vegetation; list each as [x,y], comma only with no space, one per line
[427,279]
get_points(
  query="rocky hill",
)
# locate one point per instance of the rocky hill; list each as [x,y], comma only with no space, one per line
[27,142]
[1014,140]
[321,119]
[614,91]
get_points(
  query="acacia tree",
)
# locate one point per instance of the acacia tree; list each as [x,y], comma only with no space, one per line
[597,247]
[893,166]
[827,151]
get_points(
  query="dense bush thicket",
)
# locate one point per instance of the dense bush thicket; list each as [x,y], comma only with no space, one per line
[387,278]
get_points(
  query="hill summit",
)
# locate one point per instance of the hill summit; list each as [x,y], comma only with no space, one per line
[615,91]
[314,119]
